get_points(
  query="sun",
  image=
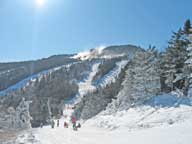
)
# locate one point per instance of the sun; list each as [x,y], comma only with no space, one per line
[40,3]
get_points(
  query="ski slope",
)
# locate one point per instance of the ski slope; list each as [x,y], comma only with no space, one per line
[86,85]
[147,125]
[112,75]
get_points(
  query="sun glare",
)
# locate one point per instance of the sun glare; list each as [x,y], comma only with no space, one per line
[40,3]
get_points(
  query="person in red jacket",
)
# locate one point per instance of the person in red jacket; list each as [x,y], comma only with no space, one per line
[74,120]
[65,125]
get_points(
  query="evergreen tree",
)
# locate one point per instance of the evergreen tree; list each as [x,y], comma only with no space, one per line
[167,71]
[188,69]
[142,80]
[187,26]
[22,115]
[172,62]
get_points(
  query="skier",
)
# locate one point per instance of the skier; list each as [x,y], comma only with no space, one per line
[65,125]
[73,120]
[52,124]
[58,123]
[74,127]
[79,125]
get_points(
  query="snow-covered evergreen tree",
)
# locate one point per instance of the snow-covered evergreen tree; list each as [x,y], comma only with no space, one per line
[173,60]
[142,80]
[188,63]
[168,70]
[22,115]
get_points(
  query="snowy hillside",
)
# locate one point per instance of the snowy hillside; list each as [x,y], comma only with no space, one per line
[13,72]
[158,110]
[170,125]
[33,78]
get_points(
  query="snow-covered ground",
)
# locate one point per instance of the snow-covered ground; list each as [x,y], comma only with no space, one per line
[142,117]
[167,124]
[137,126]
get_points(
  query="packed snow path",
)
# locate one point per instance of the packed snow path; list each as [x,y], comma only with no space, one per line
[173,134]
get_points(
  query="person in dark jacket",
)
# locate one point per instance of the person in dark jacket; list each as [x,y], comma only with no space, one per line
[79,125]
[58,123]
[52,124]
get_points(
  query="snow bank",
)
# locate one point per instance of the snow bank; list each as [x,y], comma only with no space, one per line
[142,117]
[159,110]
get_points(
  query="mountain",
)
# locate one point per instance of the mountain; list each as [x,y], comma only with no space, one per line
[116,88]
[49,83]
[13,72]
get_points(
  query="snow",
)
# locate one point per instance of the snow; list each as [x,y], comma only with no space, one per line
[86,85]
[112,75]
[142,117]
[89,54]
[96,53]
[189,48]
[179,77]
[162,119]
[137,125]
[113,56]
[189,61]
[157,110]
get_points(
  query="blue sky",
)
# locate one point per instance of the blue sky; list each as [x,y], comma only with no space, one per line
[69,26]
